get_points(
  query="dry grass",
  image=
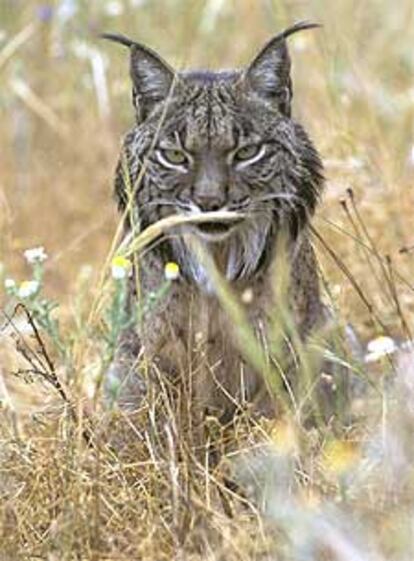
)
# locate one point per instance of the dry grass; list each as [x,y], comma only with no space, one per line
[309,494]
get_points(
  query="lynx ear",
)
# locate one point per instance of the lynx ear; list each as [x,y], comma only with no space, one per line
[151,76]
[269,73]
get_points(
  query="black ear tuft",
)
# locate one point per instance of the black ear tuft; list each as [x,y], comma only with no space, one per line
[117,38]
[151,76]
[269,73]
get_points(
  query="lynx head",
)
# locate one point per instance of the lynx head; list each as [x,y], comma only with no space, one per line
[210,141]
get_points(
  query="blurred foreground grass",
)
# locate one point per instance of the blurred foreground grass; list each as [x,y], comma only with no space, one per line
[64,101]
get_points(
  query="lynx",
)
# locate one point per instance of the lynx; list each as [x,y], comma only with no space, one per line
[208,141]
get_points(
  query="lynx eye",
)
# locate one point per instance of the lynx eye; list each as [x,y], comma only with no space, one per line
[172,157]
[250,152]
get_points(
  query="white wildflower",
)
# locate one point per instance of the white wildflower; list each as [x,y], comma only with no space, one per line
[28,289]
[380,347]
[9,284]
[35,255]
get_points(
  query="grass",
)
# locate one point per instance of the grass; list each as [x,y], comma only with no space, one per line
[331,492]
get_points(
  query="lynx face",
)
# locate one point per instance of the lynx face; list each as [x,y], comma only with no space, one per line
[206,141]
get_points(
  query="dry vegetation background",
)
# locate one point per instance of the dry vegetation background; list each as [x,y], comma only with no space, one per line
[65,101]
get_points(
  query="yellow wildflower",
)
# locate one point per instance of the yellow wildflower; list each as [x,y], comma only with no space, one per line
[120,267]
[171,271]
[28,288]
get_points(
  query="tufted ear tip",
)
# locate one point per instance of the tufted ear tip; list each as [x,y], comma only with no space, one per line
[298,26]
[268,75]
[151,76]
[117,38]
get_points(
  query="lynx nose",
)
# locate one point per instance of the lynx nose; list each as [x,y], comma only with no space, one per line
[210,185]
[208,203]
